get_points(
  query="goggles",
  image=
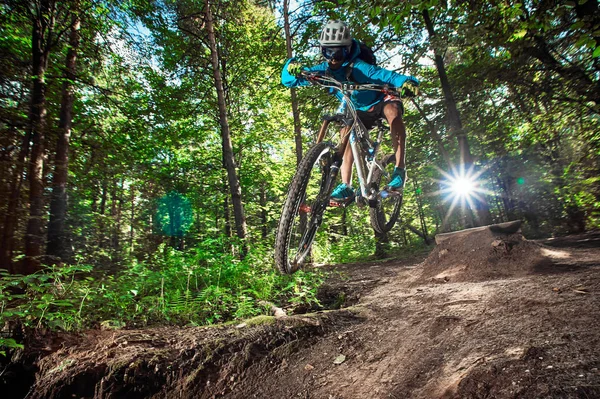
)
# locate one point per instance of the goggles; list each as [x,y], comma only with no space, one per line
[335,53]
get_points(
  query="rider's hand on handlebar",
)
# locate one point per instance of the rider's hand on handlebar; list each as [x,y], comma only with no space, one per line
[410,88]
[295,68]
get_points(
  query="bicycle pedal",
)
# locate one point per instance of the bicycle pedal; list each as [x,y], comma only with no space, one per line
[340,204]
[335,204]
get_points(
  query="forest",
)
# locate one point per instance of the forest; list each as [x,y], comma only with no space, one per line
[146,146]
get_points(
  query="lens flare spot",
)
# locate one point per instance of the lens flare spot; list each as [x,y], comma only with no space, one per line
[462,186]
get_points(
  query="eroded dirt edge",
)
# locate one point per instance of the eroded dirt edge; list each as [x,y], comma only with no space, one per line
[481,317]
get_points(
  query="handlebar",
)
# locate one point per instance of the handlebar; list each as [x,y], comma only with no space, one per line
[327,81]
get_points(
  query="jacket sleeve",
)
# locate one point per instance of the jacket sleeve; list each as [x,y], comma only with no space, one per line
[290,80]
[367,73]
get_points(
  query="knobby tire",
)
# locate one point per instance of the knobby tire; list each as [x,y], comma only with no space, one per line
[387,210]
[295,234]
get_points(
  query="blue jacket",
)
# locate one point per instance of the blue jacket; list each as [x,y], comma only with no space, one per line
[362,72]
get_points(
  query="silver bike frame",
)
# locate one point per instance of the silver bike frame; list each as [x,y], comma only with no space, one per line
[364,167]
[361,162]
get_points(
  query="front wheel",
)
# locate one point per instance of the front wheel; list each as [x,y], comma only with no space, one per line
[302,213]
[384,213]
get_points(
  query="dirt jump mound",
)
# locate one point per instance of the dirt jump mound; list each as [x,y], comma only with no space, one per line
[483,253]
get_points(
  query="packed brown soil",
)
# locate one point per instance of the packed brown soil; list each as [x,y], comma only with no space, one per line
[483,255]
[482,316]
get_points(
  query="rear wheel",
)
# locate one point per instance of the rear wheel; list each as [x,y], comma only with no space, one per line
[302,213]
[385,212]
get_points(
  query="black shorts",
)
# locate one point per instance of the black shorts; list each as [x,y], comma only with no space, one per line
[368,118]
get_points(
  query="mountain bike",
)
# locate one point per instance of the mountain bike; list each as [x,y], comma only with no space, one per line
[309,192]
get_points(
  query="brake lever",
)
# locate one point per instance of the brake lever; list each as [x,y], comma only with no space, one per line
[312,77]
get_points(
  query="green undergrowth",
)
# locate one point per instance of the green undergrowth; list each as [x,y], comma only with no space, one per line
[199,286]
[196,287]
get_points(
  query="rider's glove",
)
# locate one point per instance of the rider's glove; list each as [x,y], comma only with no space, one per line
[295,68]
[410,88]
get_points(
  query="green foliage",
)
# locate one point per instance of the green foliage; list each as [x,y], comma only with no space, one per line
[198,287]
[50,298]
[9,343]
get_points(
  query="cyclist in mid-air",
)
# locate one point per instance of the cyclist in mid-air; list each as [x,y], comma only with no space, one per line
[342,63]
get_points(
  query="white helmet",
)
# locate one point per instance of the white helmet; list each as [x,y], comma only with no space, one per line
[335,33]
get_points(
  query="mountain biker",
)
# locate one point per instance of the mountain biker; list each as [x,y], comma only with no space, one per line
[342,52]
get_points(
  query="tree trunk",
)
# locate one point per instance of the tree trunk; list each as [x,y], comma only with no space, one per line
[234,184]
[115,213]
[263,200]
[421,212]
[226,213]
[10,223]
[263,210]
[57,247]
[404,236]
[8,145]
[295,113]
[454,123]
[41,39]
[427,239]
[100,220]
[103,197]
[132,220]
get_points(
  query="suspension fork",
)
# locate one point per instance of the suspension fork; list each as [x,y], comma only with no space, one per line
[337,158]
[327,184]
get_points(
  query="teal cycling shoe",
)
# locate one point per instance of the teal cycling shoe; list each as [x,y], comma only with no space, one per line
[343,193]
[398,179]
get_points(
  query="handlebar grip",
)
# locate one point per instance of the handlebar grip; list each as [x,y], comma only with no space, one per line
[409,90]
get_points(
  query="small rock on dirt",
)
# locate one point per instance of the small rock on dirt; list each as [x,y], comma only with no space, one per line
[340,359]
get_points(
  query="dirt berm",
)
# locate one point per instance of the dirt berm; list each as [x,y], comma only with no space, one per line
[483,315]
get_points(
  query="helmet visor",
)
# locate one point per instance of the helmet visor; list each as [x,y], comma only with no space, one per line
[334,53]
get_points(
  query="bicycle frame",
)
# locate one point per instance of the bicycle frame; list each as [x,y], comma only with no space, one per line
[320,167]
[365,161]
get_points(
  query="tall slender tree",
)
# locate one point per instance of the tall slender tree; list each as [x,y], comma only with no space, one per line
[57,247]
[294,97]
[230,165]
[16,135]
[43,19]
[453,117]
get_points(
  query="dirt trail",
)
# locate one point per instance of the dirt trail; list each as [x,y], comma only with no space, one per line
[481,317]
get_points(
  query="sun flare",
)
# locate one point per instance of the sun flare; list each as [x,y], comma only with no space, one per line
[462,186]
